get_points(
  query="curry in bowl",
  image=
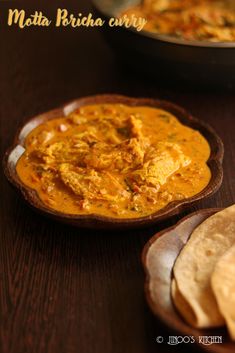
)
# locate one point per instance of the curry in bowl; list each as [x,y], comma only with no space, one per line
[115,160]
[194,20]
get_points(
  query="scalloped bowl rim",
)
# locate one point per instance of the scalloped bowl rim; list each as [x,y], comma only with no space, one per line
[171,209]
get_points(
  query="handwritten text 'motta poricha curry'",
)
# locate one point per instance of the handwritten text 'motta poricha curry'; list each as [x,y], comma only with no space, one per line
[63,18]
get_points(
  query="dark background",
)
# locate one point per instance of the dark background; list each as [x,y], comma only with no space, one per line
[63,289]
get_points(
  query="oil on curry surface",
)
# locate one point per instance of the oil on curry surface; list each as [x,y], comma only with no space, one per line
[114,160]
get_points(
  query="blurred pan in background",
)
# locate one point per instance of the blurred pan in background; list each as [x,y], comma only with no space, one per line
[162,56]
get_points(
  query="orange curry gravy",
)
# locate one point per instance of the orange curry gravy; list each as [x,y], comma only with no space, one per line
[114,160]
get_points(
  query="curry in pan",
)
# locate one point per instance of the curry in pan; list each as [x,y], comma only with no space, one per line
[201,20]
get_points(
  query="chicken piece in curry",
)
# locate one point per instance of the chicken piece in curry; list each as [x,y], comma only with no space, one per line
[114,160]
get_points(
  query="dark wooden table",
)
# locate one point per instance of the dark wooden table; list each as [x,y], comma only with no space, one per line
[66,290]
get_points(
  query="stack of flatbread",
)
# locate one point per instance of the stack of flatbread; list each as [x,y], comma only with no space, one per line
[203,284]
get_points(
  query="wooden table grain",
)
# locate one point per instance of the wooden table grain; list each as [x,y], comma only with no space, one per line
[63,289]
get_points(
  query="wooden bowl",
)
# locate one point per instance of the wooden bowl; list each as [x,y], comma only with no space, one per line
[158,257]
[97,221]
